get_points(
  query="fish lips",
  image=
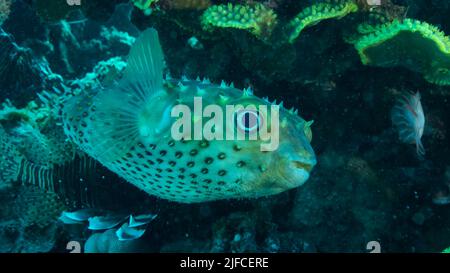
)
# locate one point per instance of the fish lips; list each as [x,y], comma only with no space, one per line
[305,165]
[299,171]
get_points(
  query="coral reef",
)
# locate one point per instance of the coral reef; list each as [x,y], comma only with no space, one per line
[144,4]
[10,160]
[358,186]
[29,216]
[36,135]
[53,11]
[316,13]
[16,62]
[185,4]
[413,44]
[257,19]
[5,8]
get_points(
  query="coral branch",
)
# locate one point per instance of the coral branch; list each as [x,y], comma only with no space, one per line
[413,44]
[316,13]
[258,19]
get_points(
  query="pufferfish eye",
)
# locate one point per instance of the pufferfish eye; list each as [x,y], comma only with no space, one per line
[248,121]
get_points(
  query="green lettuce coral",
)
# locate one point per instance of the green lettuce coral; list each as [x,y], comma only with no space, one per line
[143,4]
[257,19]
[410,43]
[316,13]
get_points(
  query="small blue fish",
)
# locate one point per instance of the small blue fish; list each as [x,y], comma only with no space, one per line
[408,117]
[133,227]
[126,233]
[78,217]
[141,220]
[105,222]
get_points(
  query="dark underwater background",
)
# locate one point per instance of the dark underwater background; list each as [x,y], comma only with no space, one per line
[367,185]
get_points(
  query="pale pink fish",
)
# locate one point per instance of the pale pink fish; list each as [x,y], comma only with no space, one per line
[409,119]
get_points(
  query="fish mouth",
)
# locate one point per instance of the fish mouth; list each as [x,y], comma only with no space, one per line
[307,166]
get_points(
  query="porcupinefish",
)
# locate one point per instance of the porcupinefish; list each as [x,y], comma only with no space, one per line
[127,128]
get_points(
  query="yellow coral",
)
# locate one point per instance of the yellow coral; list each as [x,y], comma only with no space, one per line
[258,19]
[410,43]
[143,4]
[316,13]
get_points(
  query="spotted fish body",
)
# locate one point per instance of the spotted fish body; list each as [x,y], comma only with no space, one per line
[127,128]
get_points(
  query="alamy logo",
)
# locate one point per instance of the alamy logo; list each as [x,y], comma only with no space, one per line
[74,247]
[244,123]
[74,2]
[374,247]
[374,2]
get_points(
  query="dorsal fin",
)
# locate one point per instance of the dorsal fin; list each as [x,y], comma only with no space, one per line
[145,62]
[125,111]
